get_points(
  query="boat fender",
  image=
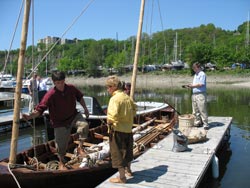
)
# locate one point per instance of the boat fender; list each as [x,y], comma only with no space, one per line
[215,167]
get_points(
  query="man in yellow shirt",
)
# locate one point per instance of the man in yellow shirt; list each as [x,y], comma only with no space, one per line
[120,116]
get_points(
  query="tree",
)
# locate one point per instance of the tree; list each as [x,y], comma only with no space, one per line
[93,59]
[199,52]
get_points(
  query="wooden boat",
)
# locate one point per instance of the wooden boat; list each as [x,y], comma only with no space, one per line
[37,166]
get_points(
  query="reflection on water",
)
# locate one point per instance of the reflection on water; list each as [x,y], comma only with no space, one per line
[221,102]
[25,140]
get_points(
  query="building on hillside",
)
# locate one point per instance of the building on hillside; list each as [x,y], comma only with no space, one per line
[48,41]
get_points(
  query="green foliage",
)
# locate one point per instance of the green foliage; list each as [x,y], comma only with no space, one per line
[203,44]
[94,59]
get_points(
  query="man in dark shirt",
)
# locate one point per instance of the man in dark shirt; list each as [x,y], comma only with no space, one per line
[61,103]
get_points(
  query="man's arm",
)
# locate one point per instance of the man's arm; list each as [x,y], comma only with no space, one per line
[86,111]
[32,115]
[29,88]
[195,85]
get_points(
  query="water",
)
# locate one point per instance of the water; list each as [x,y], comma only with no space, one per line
[234,168]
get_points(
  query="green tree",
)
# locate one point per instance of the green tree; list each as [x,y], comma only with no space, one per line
[94,59]
[199,52]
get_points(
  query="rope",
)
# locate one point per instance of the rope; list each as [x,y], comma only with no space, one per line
[64,33]
[52,165]
[14,177]
[33,82]
[13,36]
[34,137]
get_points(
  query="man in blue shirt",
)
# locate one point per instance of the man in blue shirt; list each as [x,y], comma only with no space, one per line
[199,96]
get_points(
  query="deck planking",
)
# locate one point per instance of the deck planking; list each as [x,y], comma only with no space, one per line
[161,167]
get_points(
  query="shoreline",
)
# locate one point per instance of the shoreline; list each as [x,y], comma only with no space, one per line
[156,81]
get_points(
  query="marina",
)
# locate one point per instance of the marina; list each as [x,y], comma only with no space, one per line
[158,165]
[161,167]
[232,161]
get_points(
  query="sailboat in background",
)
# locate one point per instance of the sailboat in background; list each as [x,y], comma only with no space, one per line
[177,64]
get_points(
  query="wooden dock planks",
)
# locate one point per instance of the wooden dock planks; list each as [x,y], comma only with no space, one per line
[161,167]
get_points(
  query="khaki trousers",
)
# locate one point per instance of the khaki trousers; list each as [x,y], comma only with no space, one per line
[199,106]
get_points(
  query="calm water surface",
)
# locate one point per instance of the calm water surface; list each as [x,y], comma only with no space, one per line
[234,166]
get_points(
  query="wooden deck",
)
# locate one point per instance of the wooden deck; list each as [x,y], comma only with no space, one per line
[161,167]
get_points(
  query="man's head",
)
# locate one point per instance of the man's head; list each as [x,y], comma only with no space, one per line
[58,76]
[127,88]
[196,67]
[34,75]
[113,83]
[58,79]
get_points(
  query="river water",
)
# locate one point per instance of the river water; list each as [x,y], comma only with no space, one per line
[234,166]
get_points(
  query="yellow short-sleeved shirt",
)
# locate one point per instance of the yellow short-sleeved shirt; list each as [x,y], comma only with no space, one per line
[121,112]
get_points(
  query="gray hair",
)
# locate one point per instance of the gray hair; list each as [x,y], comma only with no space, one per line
[114,81]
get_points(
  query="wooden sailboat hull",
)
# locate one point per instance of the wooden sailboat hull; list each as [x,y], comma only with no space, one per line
[89,177]
[159,118]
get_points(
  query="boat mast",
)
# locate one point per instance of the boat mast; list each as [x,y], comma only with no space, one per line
[247,32]
[175,47]
[137,50]
[20,70]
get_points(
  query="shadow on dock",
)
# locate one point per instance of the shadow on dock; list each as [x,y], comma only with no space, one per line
[148,175]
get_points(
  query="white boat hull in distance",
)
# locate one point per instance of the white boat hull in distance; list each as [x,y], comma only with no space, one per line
[144,107]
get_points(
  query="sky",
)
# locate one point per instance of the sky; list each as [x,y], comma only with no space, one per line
[115,19]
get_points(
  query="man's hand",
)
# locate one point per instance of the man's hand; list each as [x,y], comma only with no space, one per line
[185,86]
[86,113]
[26,117]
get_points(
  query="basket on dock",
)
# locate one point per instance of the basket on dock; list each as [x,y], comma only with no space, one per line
[186,121]
[186,126]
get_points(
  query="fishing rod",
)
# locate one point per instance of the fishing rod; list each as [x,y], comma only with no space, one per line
[172,107]
[185,86]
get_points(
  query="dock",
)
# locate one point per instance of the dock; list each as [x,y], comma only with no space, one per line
[6,117]
[7,110]
[161,167]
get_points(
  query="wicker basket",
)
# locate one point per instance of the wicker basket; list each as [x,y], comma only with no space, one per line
[186,121]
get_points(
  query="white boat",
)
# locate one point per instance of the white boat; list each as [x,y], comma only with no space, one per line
[7,100]
[7,81]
